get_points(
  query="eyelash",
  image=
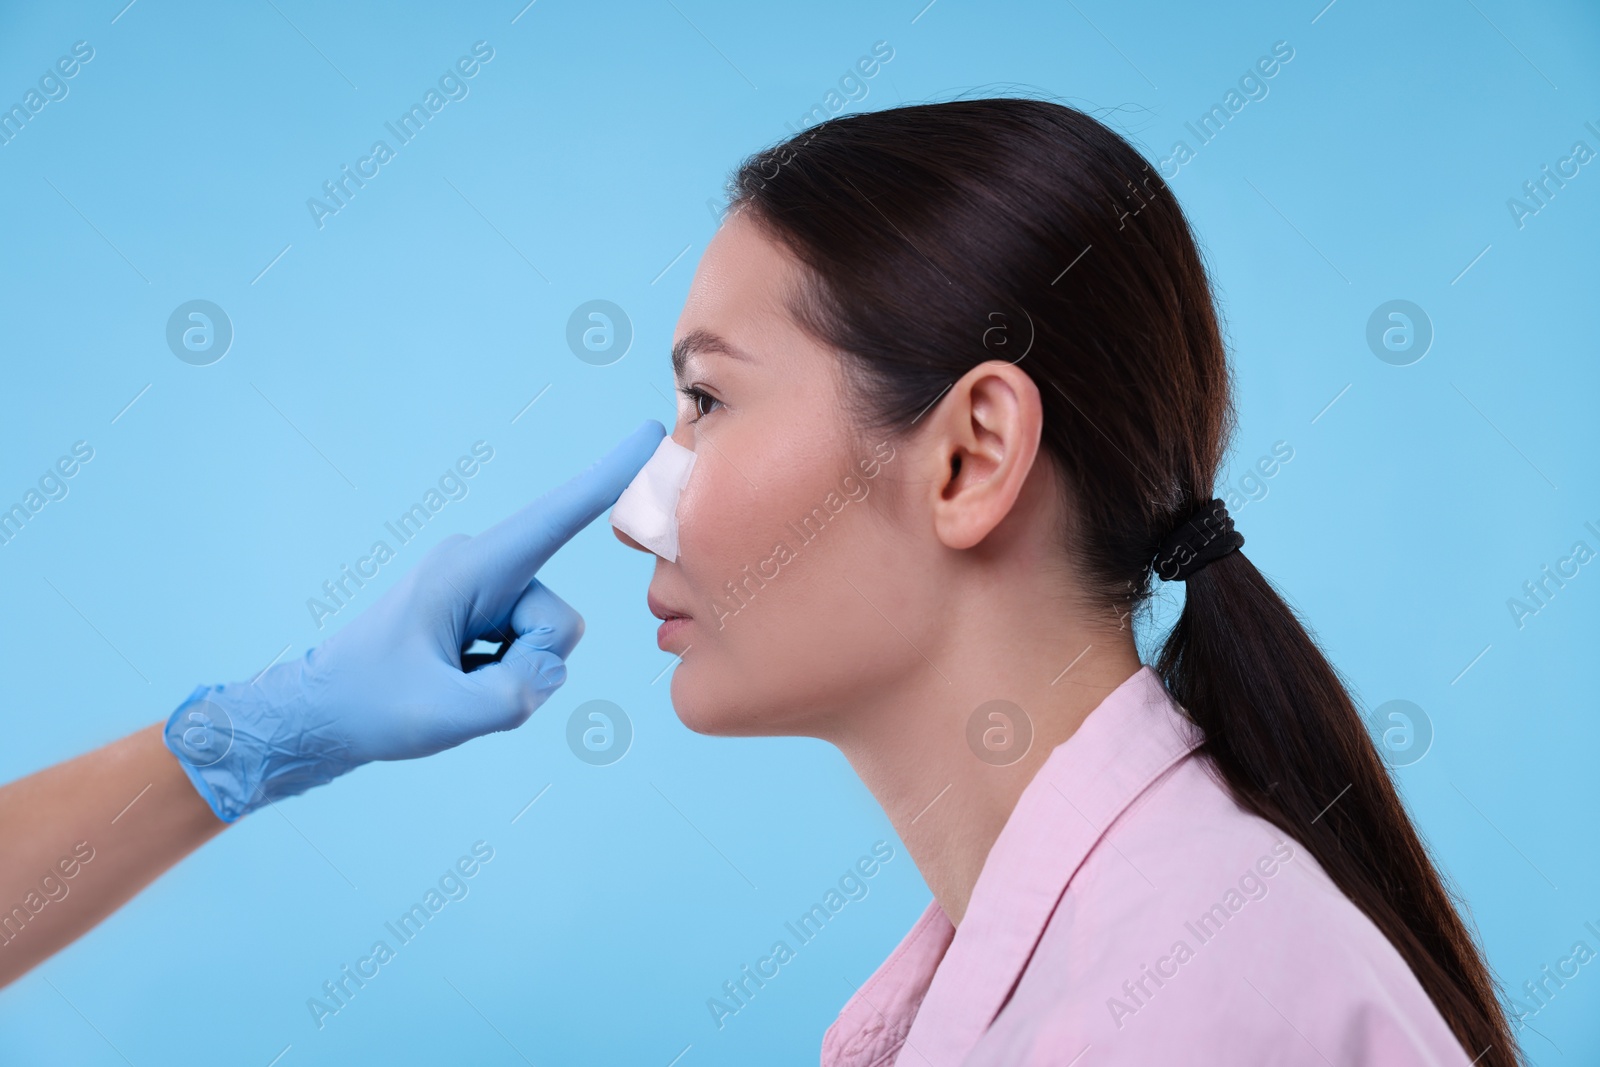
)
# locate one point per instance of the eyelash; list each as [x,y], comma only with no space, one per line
[695,396]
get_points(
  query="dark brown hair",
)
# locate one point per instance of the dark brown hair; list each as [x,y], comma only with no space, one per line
[928,228]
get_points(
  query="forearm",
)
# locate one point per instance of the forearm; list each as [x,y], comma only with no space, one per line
[79,839]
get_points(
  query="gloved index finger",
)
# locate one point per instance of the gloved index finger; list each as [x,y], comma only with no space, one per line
[505,557]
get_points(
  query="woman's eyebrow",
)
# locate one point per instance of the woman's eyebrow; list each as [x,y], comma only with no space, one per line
[701,341]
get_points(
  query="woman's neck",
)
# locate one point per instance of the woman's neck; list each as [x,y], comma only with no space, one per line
[938,753]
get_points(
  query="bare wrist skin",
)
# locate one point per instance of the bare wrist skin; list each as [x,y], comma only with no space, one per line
[85,836]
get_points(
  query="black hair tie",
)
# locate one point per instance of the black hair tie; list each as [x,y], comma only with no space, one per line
[1204,537]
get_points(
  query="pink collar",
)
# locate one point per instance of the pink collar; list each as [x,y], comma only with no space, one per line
[942,987]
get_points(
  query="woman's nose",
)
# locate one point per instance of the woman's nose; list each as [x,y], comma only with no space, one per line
[630,542]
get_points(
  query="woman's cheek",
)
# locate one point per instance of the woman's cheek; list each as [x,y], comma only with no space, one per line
[710,514]
[699,524]
[688,515]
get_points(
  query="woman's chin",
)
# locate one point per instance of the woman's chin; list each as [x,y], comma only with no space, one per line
[718,715]
[714,721]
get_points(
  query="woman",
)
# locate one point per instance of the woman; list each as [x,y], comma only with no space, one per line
[959,397]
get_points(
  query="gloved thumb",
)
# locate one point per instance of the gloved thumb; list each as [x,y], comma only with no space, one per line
[506,693]
[543,616]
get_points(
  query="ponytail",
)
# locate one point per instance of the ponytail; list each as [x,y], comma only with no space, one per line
[1285,736]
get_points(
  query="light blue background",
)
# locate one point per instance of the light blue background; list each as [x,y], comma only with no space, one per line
[429,312]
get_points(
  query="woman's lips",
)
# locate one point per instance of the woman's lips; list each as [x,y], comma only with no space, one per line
[668,632]
[673,621]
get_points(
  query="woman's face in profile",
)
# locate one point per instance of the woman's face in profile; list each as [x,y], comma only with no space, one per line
[793,568]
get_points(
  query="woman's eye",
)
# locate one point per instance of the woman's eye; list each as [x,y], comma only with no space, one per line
[701,400]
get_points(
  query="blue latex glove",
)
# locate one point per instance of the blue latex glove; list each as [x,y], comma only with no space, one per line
[390,684]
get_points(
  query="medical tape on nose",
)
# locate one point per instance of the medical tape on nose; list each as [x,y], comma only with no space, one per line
[647,510]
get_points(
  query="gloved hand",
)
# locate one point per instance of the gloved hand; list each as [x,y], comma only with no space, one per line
[390,685]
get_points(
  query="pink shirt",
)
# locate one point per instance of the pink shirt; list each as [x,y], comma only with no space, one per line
[1131,913]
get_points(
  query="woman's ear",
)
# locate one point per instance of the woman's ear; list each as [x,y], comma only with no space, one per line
[985,438]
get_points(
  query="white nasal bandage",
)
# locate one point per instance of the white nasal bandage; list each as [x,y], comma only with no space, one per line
[647,510]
